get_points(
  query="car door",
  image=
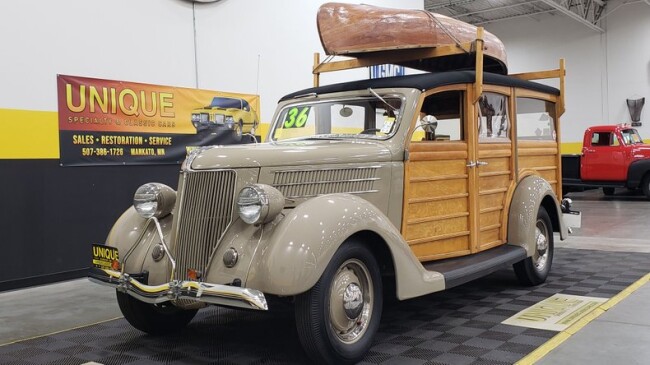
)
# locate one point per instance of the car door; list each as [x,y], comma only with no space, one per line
[604,158]
[437,214]
[493,168]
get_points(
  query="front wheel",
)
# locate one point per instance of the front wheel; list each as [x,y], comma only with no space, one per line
[338,317]
[154,319]
[239,129]
[645,185]
[534,270]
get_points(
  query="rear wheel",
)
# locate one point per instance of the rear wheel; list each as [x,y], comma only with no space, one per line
[534,270]
[338,317]
[608,191]
[155,319]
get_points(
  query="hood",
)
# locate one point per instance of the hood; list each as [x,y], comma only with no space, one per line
[306,152]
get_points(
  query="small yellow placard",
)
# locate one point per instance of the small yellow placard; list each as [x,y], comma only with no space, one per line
[556,313]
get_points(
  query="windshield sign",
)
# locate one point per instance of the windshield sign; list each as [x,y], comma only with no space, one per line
[367,117]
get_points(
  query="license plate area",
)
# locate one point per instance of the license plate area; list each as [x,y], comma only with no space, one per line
[572,219]
[105,257]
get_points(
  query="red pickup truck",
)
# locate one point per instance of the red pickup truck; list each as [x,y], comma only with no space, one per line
[613,156]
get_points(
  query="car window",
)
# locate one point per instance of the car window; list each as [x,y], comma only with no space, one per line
[364,117]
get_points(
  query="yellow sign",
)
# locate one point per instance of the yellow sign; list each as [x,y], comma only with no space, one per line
[556,313]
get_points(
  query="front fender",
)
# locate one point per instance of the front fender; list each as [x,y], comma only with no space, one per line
[531,193]
[295,253]
[131,229]
[636,172]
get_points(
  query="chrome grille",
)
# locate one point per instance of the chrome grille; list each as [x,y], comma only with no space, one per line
[218,118]
[307,183]
[205,212]
[205,117]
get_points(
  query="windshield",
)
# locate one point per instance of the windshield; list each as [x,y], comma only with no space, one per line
[631,136]
[362,117]
[222,102]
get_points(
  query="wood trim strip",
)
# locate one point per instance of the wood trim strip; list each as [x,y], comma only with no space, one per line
[489,228]
[437,198]
[493,191]
[494,154]
[491,209]
[544,168]
[437,178]
[537,151]
[522,143]
[491,244]
[438,218]
[446,255]
[437,146]
[494,173]
[437,155]
[437,238]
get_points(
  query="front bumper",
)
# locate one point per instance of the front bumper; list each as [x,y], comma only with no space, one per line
[202,292]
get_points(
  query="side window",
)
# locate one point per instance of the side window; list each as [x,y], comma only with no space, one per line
[441,118]
[493,121]
[535,120]
[604,139]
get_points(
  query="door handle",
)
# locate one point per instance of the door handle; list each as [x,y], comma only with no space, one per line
[481,163]
[471,164]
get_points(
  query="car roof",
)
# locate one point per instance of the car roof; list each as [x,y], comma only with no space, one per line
[426,81]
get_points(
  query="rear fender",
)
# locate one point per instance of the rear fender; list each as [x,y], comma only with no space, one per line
[297,250]
[531,193]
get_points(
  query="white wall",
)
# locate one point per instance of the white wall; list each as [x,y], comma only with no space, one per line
[146,41]
[152,41]
[534,46]
[233,36]
[603,69]
[628,61]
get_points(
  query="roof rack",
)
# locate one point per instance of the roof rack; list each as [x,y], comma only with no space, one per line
[414,55]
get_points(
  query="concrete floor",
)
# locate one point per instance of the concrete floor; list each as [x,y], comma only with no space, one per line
[621,335]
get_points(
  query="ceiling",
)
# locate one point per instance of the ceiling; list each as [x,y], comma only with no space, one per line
[481,12]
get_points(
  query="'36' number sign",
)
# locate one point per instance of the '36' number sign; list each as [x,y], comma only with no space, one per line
[296,117]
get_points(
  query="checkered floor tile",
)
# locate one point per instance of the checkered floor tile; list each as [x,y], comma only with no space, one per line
[458,326]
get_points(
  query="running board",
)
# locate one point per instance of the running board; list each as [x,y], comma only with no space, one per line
[460,270]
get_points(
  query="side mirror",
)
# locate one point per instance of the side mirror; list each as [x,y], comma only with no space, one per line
[429,123]
[345,111]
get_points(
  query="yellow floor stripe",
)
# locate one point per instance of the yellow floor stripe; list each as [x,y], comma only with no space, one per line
[558,339]
[61,331]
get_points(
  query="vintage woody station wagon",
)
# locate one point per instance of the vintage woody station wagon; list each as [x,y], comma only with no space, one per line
[406,185]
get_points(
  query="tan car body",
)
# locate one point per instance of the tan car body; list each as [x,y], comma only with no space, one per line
[288,255]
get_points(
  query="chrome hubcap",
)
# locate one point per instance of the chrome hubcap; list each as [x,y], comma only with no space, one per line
[351,301]
[541,243]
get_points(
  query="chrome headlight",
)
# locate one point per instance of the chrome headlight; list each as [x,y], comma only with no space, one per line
[196,117]
[259,203]
[230,121]
[154,200]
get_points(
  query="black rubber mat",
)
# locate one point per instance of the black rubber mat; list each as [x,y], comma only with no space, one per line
[458,326]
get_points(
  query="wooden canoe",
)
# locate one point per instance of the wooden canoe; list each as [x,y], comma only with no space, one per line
[364,30]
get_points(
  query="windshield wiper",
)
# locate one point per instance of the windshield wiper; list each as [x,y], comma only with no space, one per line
[382,99]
